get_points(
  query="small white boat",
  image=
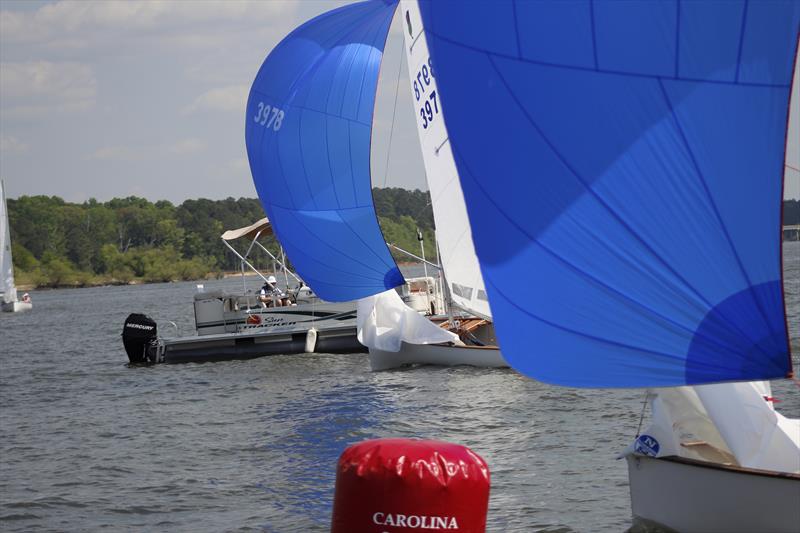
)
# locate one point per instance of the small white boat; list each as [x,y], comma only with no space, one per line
[701,496]
[466,301]
[16,306]
[398,335]
[436,354]
[9,300]
[716,458]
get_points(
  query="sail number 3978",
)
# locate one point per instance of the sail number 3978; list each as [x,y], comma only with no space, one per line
[425,95]
[269,116]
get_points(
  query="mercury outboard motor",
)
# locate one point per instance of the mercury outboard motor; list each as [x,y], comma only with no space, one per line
[138,336]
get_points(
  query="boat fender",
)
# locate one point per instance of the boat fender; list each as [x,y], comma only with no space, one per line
[311,340]
[410,485]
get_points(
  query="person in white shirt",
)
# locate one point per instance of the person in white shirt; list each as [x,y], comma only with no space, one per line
[270,295]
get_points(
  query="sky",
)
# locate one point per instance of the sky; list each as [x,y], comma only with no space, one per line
[118,98]
[103,99]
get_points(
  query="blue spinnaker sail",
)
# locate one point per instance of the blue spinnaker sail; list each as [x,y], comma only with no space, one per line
[308,128]
[622,165]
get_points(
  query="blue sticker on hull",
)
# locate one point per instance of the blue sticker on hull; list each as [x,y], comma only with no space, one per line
[647,445]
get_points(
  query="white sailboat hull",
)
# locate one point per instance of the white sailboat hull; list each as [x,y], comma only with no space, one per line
[436,354]
[695,496]
[15,307]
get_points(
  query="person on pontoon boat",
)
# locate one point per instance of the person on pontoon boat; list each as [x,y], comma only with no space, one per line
[270,295]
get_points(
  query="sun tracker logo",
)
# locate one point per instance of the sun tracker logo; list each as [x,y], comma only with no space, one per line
[647,445]
[414,521]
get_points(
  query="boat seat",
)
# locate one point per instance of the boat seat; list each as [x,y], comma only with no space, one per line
[466,326]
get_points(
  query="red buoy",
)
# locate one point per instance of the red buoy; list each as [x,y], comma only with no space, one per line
[408,485]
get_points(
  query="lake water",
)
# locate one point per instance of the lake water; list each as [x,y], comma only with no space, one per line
[87,443]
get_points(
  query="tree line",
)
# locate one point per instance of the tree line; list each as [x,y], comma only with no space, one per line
[57,243]
[791,212]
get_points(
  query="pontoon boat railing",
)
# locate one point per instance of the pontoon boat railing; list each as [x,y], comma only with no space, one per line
[244,260]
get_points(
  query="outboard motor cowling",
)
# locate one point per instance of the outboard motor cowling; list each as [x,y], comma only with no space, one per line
[138,336]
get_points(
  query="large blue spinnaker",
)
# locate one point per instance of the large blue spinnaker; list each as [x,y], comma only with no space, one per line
[622,164]
[309,122]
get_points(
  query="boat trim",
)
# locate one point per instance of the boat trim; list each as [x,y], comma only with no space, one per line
[727,467]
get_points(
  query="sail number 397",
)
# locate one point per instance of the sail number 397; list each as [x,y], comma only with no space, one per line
[425,94]
[269,116]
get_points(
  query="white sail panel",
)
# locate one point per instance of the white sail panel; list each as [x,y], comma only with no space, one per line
[7,289]
[792,166]
[453,234]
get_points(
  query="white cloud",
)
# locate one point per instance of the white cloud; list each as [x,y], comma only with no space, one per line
[139,153]
[187,146]
[79,23]
[231,98]
[40,87]
[119,153]
[239,164]
[12,145]
[149,76]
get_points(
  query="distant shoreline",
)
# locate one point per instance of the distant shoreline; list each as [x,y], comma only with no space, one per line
[101,282]
[108,281]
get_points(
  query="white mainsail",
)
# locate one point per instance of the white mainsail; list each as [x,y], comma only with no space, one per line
[453,233]
[7,289]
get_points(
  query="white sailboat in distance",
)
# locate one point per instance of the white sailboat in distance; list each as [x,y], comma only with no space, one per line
[8,291]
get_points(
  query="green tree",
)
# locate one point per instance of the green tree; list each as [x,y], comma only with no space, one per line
[61,243]
[23,258]
[58,270]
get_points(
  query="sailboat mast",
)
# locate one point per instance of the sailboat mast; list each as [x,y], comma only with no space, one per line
[422,250]
[453,233]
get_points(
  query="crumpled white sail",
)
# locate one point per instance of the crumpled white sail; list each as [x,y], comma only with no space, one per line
[385,322]
[7,289]
[453,233]
[726,422]
[757,435]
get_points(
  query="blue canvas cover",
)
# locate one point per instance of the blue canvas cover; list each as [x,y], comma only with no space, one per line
[308,128]
[622,164]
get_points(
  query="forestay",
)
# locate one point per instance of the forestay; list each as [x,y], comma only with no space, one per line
[453,234]
[622,166]
[308,127]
